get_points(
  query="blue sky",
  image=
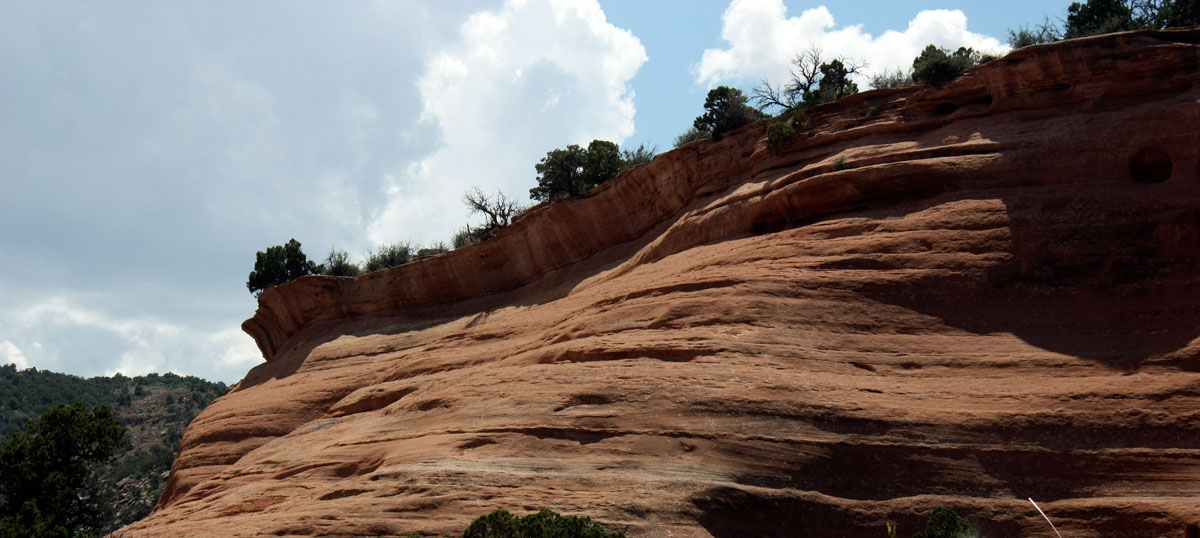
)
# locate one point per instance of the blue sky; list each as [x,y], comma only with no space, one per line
[148,149]
[673,32]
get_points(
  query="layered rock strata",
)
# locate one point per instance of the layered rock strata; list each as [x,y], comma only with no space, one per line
[963,296]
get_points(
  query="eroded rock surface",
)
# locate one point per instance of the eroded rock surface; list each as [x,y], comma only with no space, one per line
[970,296]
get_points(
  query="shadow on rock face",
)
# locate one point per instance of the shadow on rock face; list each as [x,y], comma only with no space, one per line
[1109,275]
[728,512]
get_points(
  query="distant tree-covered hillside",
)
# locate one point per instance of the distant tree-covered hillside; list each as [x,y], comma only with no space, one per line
[155,409]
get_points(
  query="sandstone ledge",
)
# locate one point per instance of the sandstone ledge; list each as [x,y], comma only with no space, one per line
[996,299]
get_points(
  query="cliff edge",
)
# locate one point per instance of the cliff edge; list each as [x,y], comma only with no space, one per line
[962,296]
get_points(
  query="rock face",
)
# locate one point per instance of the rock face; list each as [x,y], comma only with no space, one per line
[962,296]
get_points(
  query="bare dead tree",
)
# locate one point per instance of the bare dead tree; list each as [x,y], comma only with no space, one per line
[767,95]
[807,72]
[1046,32]
[499,210]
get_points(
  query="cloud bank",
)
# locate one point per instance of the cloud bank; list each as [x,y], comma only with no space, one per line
[519,81]
[762,40]
[147,151]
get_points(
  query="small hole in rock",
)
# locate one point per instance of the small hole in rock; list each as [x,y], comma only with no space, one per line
[945,109]
[1150,165]
[1192,531]
[768,224]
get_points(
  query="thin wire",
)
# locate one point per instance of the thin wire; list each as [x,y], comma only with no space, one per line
[1039,509]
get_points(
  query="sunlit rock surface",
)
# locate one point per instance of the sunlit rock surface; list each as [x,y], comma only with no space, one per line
[963,296]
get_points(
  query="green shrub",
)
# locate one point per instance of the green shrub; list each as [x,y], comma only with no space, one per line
[1094,17]
[835,83]
[692,135]
[1026,35]
[726,110]
[937,66]
[1173,13]
[337,263]
[840,164]
[573,170]
[388,256]
[278,265]
[891,78]
[433,250]
[465,236]
[1099,17]
[944,523]
[633,157]
[871,111]
[784,128]
[778,133]
[544,524]
[814,81]
[48,480]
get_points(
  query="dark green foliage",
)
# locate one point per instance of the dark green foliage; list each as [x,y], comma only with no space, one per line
[813,82]
[691,135]
[938,66]
[278,265]
[891,78]
[1104,16]
[337,263]
[985,57]
[566,172]
[1095,17]
[465,236]
[155,459]
[544,524]
[1099,17]
[725,110]
[29,393]
[840,164]
[1176,13]
[433,250]
[146,467]
[944,523]
[633,157]
[779,132]
[573,171]
[783,128]
[835,84]
[1026,36]
[494,525]
[48,480]
[29,522]
[387,256]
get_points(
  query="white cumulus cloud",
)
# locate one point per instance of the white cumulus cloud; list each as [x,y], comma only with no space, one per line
[129,343]
[762,40]
[521,80]
[11,354]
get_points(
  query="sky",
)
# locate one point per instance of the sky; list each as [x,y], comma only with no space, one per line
[148,149]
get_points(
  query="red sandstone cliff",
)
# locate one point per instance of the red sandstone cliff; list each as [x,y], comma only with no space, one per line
[997,299]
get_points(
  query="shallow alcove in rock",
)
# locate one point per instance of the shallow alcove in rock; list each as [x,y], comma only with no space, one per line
[1150,165]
